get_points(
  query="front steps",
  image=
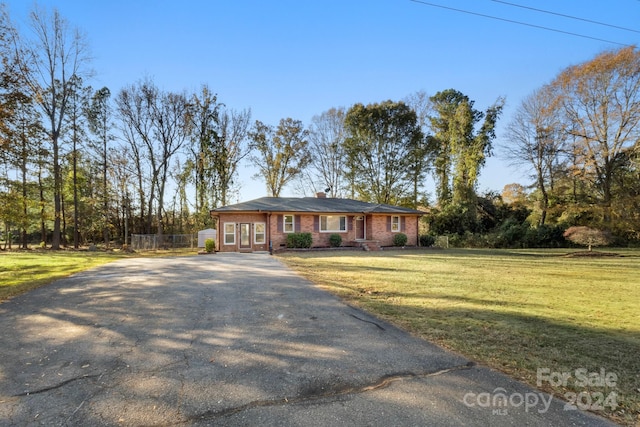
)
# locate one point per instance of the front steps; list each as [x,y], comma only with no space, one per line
[370,245]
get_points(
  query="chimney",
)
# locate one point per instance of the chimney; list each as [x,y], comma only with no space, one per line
[321,195]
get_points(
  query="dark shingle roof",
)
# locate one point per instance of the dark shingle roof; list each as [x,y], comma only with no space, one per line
[312,204]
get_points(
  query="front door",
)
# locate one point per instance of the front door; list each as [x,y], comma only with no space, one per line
[360,235]
[245,236]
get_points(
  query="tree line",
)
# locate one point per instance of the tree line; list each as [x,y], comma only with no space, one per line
[82,165]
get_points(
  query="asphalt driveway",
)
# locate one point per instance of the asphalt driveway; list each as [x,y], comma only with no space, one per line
[235,339]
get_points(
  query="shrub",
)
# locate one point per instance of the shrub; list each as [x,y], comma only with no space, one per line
[209,245]
[427,240]
[299,240]
[335,240]
[400,239]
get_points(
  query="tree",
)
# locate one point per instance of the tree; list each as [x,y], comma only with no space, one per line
[133,111]
[588,236]
[169,115]
[421,103]
[100,117]
[326,146]
[57,55]
[537,139]
[204,117]
[382,144]
[230,149]
[601,100]
[20,130]
[459,148]
[281,154]
[156,126]
[75,128]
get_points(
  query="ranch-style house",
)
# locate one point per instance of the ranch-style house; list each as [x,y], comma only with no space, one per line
[263,224]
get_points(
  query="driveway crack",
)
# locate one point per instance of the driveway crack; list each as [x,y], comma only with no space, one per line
[381,383]
[367,321]
[55,386]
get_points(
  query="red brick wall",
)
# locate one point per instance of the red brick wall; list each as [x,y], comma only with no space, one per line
[238,218]
[377,228]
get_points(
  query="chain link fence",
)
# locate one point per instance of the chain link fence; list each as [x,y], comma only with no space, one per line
[442,242]
[153,242]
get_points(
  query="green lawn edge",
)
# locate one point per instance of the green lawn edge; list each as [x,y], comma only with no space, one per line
[512,310]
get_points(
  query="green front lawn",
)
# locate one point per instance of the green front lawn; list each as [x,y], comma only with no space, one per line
[516,311]
[23,271]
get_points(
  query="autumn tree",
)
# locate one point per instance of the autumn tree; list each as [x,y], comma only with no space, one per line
[587,236]
[56,55]
[382,144]
[20,133]
[279,154]
[601,100]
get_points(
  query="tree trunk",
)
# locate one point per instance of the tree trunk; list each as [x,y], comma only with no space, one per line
[57,202]
[76,239]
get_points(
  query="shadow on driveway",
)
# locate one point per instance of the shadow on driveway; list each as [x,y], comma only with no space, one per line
[232,339]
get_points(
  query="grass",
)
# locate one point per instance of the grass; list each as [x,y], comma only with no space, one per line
[515,311]
[23,271]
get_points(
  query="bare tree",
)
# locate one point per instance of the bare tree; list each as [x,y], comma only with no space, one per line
[171,132]
[536,139]
[158,122]
[231,149]
[326,146]
[55,56]
[421,104]
[136,128]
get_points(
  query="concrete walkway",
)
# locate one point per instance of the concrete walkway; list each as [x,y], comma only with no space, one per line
[235,340]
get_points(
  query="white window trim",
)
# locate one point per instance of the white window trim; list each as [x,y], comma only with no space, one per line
[255,233]
[225,234]
[284,224]
[333,231]
[396,227]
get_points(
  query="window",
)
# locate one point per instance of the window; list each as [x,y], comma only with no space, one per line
[229,233]
[395,223]
[288,224]
[259,235]
[333,223]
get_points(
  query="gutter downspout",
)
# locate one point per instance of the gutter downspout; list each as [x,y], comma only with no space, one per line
[269,233]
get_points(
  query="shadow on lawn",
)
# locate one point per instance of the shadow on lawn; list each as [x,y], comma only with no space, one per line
[515,343]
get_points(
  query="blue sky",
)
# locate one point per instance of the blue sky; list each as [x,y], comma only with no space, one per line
[299,58]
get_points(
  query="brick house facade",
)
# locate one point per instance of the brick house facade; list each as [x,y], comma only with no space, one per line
[263,224]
